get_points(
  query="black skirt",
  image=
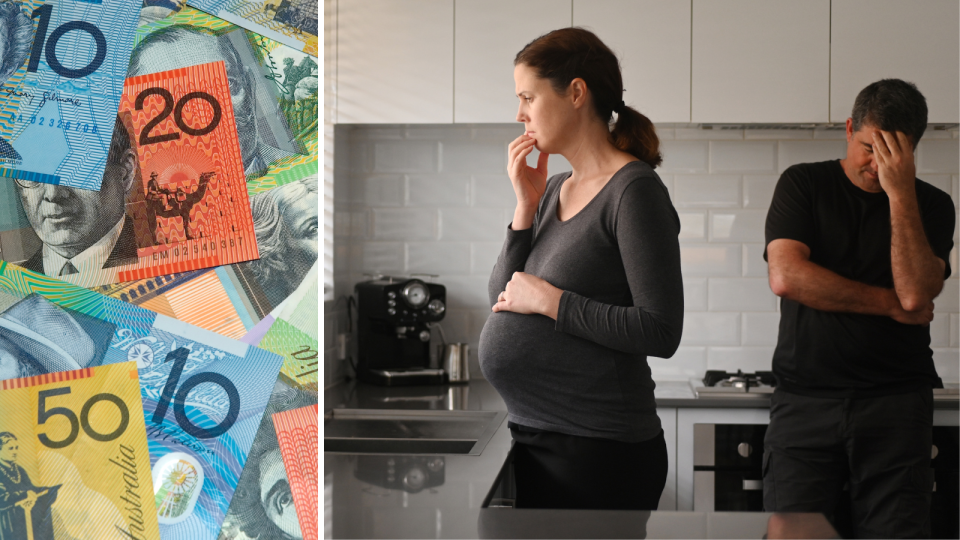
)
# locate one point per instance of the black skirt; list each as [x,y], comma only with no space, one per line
[555,470]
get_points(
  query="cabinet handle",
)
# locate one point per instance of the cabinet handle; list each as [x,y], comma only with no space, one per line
[753,485]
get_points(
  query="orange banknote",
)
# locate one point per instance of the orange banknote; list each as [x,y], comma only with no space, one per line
[297,432]
[190,207]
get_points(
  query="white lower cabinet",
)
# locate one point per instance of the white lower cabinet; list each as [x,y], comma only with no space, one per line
[668,421]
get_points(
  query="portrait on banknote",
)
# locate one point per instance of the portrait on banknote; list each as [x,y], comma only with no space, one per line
[285,221]
[79,228]
[16,29]
[24,507]
[38,337]
[263,507]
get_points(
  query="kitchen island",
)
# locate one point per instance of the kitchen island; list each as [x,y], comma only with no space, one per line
[442,496]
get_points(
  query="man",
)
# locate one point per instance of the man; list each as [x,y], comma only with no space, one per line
[16,38]
[181,46]
[81,230]
[857,249]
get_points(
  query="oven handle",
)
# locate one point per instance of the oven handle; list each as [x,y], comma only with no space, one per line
[753,485]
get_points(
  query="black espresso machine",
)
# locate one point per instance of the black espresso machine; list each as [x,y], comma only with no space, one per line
[393,339]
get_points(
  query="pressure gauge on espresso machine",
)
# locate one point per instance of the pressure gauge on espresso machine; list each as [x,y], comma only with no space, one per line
[416,294]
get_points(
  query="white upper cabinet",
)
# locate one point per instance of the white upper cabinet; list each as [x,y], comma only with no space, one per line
[760,61]
[652,40]
[916,41]
[395,61]
[489,34]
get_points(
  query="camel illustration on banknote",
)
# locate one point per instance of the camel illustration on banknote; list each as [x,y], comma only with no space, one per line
[166,203]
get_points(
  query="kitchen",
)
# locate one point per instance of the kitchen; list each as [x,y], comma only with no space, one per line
[417,126]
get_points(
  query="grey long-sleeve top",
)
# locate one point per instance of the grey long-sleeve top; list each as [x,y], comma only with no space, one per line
[618,264]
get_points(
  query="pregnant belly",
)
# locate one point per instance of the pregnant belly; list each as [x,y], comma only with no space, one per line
[511,345]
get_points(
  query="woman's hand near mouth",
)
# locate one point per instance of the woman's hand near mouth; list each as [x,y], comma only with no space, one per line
[528,183]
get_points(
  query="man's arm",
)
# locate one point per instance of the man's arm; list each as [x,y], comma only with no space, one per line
[917,271]
[794,277]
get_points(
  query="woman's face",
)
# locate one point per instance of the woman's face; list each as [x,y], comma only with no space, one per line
[9,365]
[9,451]
[545,114]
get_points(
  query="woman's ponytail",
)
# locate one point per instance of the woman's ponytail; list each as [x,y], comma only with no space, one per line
[634,133]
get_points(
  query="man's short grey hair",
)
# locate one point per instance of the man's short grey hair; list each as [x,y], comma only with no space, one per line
[16,31]
[892,105]
[267,209]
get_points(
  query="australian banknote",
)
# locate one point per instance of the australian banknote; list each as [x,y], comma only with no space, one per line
[203,394]
[74,459]
[295,23]
[275,103]
[297,433]
[64,63]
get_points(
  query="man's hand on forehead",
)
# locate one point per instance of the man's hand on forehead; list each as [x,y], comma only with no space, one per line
[895,163]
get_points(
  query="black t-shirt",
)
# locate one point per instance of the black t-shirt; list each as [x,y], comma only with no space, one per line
[847,229]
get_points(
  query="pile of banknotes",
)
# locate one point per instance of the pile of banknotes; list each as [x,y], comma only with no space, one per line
[158,269]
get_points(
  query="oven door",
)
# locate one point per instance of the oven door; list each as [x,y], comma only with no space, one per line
[728,467]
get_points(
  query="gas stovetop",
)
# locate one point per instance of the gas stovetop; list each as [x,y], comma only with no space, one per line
[739,384]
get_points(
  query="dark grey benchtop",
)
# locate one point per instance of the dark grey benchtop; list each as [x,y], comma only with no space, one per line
[355,508]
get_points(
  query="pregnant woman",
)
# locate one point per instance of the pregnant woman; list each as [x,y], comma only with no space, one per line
[586,287]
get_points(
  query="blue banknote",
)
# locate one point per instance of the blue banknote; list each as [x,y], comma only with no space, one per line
[203,394]
[62,73]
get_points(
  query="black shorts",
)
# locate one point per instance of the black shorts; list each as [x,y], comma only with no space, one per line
[555,470]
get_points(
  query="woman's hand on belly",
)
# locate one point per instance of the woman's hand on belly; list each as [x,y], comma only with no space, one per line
[527,294]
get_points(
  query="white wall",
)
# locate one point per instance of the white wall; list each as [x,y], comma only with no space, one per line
[437,199]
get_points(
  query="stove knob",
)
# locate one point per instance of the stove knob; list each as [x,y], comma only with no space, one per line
[392,311]
[744,449]
[424,336]
[934,451]
[391,295]
[391,303]
[436,306]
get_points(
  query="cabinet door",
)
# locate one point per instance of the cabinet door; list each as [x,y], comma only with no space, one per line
[489,34]
[668,422]
[652,40]
[395,61]
[760,61]
[903,39]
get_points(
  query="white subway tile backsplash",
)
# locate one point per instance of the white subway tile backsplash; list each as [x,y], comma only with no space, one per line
[949,299]
[779,134]
[954,330]
[693,226]
[438,190]
[405,156]
[680,157]
[437,199]
[759,329]
[740,294]
[938,156]
[383,258]
[743,156]
[493,191]
[555,163]
[758,190]
[697,134]
[711,329]
[441,258]
[939,181]
[685,364]
[737,225]
[940,330]
[753,263]
[483,256]
[710,259]
[947,362]
[383,191]
[472,157]
[694,294]
[472,224]
[404,224]
[749,359]
[793,152]
[706,191]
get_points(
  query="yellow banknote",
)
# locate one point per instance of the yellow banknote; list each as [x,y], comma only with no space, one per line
[74,461]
